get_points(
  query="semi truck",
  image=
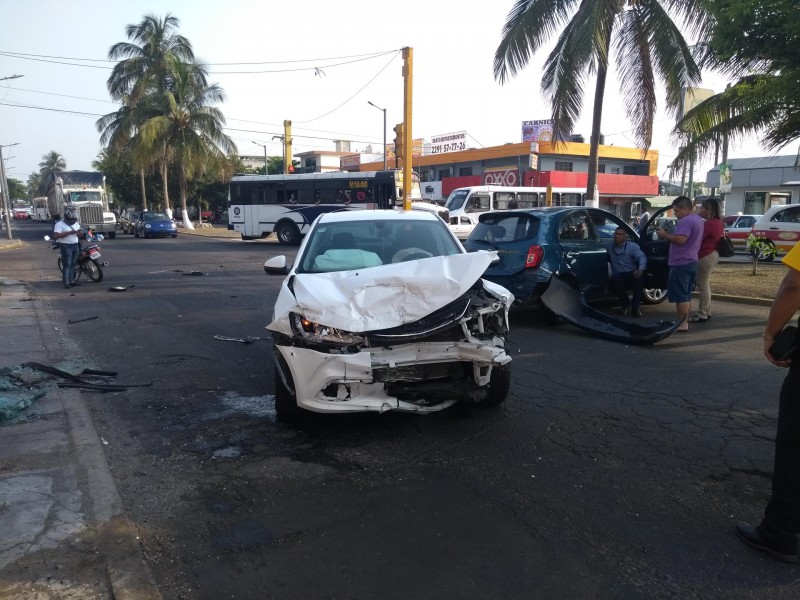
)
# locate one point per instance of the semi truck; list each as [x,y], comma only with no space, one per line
[85,191]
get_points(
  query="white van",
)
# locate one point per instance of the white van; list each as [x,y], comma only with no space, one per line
[468,203]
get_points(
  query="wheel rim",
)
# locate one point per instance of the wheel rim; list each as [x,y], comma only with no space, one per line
[655,294]
[92,270]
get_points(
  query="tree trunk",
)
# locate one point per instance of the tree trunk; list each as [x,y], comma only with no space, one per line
[182,184]
[597,118]
[144,193]
[165,180]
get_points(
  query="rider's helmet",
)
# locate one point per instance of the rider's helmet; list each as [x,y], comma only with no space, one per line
[70,216]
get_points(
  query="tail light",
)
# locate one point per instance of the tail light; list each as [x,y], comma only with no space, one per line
[534,258]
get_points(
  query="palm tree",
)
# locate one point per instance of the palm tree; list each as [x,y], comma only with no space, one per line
[741,42]
[146,66]
[188,127]
[51,162]
[642,36]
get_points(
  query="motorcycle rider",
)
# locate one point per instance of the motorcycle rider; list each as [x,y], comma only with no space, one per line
[67,231]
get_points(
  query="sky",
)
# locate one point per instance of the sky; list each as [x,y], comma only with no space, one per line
[316,63]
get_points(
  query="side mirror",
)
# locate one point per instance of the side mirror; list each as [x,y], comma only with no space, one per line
[276,265]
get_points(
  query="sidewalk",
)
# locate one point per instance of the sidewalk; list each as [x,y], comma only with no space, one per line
[63,530]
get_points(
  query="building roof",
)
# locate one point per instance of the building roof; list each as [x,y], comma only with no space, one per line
[763,162]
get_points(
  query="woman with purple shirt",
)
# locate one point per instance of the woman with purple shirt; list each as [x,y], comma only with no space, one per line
[684,245]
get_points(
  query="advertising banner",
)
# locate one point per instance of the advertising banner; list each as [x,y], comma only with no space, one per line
[449,142]
[537,131]
[725,178]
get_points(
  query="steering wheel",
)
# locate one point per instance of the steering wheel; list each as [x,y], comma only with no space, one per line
[407,254]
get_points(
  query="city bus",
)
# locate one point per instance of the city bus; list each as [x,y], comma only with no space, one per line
[467,203]
[286,205]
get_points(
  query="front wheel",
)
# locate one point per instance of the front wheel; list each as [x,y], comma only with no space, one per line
[288,233]
[60,265]
[286,408]
[112,234]
[654,295]
[93,270]
[499,385]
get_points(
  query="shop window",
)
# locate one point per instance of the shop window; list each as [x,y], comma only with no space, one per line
[562,165]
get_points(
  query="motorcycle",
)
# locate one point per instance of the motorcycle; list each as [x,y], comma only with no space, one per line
[89,258]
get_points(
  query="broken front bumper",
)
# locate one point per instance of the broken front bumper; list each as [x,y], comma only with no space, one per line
[420,377]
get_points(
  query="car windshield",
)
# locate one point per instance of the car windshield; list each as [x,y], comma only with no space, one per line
[456,199]
[514,227]
[155,216]
[349,245]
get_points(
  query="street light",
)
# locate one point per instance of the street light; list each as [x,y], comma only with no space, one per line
[265,155]
[384,131]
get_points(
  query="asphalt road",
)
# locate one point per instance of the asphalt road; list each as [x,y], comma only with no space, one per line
[612,471]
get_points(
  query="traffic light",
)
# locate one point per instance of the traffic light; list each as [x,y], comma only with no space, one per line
[399,134]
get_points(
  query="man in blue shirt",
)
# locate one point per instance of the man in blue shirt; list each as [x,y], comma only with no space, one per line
[628,263]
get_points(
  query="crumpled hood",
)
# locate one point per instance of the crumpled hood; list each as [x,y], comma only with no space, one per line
[380,297]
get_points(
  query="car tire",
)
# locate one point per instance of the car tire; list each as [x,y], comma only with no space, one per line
[654,295]
[287,233]
[135,234]
[286,408]
[112,234]
[499,385]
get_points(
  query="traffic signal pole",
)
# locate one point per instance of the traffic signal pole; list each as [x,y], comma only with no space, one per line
[408,72]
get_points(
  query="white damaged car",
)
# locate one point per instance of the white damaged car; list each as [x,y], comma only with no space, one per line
[385,310]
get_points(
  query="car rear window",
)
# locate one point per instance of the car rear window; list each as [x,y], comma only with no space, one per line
[505,228]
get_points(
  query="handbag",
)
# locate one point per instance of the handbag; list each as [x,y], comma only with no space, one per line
[785,345]
[725,247]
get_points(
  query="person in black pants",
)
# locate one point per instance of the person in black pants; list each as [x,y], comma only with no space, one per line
[777,532]
[628,263]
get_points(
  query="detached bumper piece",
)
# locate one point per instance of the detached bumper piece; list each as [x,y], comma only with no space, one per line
[569,303]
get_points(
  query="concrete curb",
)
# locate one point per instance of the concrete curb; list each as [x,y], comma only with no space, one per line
[129,575]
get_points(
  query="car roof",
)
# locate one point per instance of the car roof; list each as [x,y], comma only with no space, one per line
[541,211]
[348,216]
[775,209]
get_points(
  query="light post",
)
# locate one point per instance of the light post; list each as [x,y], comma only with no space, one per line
[4,190]
[384,131]
[265,155]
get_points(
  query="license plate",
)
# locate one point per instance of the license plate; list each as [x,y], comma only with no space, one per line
[94,255]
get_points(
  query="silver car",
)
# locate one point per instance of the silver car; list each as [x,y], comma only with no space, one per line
[385,310]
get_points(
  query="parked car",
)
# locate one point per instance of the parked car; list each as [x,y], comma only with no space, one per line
[385,310]
[533,244]
[738,227]
[21,214]
[128,219]
[779,227]
[154,224]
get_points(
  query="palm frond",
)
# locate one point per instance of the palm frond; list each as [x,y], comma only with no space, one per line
[529,24]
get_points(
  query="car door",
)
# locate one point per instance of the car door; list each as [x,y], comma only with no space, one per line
[583,252]
[657,250]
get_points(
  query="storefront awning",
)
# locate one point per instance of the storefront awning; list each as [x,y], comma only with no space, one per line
[659,201]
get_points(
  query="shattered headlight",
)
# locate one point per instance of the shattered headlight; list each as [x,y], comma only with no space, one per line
[315,332]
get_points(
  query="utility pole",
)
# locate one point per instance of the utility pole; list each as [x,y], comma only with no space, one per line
[408,88]
[287,147]
[4,190]
[723,195]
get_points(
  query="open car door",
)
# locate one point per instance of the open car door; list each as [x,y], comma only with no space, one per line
[655,249]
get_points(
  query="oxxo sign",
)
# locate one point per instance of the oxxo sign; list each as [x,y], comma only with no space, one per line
[505,176]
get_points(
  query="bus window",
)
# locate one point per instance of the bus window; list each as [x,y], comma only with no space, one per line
[477,203]
[528,199]
[503,200]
